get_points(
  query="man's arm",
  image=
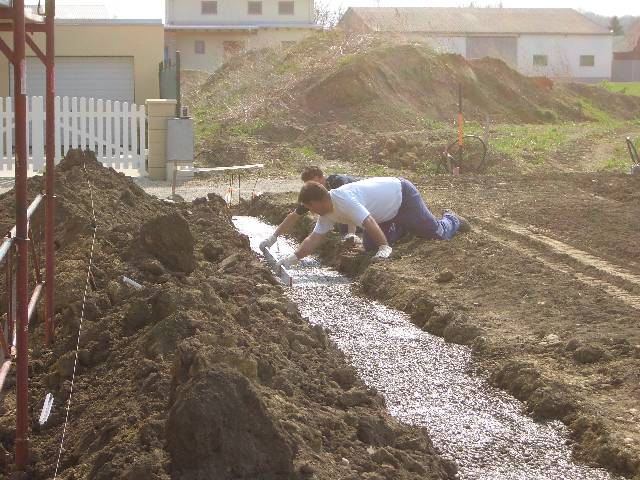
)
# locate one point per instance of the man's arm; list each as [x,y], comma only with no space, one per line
[285,227]
[377,235]
[373,229]
[310,244]
[307,247]
[287,224]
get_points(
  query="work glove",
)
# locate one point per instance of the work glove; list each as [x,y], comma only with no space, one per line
[288,261]
[267,243]
[384,252]
[351,238]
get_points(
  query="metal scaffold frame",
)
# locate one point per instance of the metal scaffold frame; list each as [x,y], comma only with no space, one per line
[24,24]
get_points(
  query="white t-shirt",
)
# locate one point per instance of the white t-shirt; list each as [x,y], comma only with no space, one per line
[379,197]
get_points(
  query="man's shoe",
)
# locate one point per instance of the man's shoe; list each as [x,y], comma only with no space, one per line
[465,226]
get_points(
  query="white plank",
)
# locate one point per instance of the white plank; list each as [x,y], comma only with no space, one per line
[9,122]
[135,159]
[100,128]
[37,133]
[142,154]
[3,142]
[65,119]
[91,115]
[74,122]
[126,132]
[108,116]
[82,127]
[117,128]
[28,128]
[58,154]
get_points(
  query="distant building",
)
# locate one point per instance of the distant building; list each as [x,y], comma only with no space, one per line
[557,43]
[97,56]
[208,32]
[626,56]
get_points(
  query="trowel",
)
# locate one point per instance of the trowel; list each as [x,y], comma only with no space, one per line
[281,272]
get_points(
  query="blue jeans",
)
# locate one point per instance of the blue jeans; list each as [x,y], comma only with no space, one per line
[414,217]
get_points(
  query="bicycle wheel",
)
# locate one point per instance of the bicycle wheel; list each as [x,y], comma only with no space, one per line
[471,158]
[633,153]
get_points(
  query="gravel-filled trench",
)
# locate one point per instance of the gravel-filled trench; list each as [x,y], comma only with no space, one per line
[428,382]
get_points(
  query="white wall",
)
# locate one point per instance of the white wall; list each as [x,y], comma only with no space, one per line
[564,53]
[234,12]
[213,57]
[449,44]
[439,43]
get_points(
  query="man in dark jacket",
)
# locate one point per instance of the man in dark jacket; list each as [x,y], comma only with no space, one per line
[312,174]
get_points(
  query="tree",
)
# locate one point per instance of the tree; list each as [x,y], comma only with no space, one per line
[324,15]
[615,26]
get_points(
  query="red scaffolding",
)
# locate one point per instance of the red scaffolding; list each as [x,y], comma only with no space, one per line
[24,24]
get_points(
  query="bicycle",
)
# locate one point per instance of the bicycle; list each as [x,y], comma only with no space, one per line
[468,156]
[633,153]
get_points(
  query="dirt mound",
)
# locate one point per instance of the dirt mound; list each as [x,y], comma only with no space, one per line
[233,432]
[207,374]
[169,239]
[377,83]
[340,97]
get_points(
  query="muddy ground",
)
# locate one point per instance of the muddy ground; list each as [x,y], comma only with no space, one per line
[206,372]
[546,290]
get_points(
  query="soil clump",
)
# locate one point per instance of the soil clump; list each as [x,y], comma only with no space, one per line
[208,371]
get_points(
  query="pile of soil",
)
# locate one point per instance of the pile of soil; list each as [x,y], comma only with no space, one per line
[379,83]
[341,93]
[558,334]
[208,371]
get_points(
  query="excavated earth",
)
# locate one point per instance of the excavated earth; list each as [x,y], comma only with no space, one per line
[207,372]
[546,291]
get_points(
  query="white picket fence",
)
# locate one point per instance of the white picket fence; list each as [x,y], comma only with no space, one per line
[116,131]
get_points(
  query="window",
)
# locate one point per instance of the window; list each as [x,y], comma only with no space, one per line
[587,60]
[200,47]
[540,60]
[286,8]
[209,8]
[255,8]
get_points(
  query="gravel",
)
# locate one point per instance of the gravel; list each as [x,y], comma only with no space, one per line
[428,382]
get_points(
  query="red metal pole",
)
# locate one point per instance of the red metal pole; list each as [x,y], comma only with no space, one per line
[22,275]
[49,282]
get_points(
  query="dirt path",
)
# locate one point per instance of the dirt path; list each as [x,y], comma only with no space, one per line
[428,382]
[546,290]
[586,152]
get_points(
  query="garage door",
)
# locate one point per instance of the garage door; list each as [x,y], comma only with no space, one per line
[109,78]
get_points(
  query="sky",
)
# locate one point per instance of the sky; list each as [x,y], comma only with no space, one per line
[155,8]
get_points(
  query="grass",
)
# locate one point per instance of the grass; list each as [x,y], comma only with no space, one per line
[246,129]
[621,160]
[307,151]
[627,88]
[346,60]
[528,142]
[600,116]
[205,126]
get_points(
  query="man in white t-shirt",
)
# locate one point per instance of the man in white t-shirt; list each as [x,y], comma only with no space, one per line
[386,208]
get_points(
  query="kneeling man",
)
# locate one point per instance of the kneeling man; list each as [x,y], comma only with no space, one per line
[386,208]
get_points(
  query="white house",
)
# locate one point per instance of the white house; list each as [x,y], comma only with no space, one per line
[552,42]
[207,32]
